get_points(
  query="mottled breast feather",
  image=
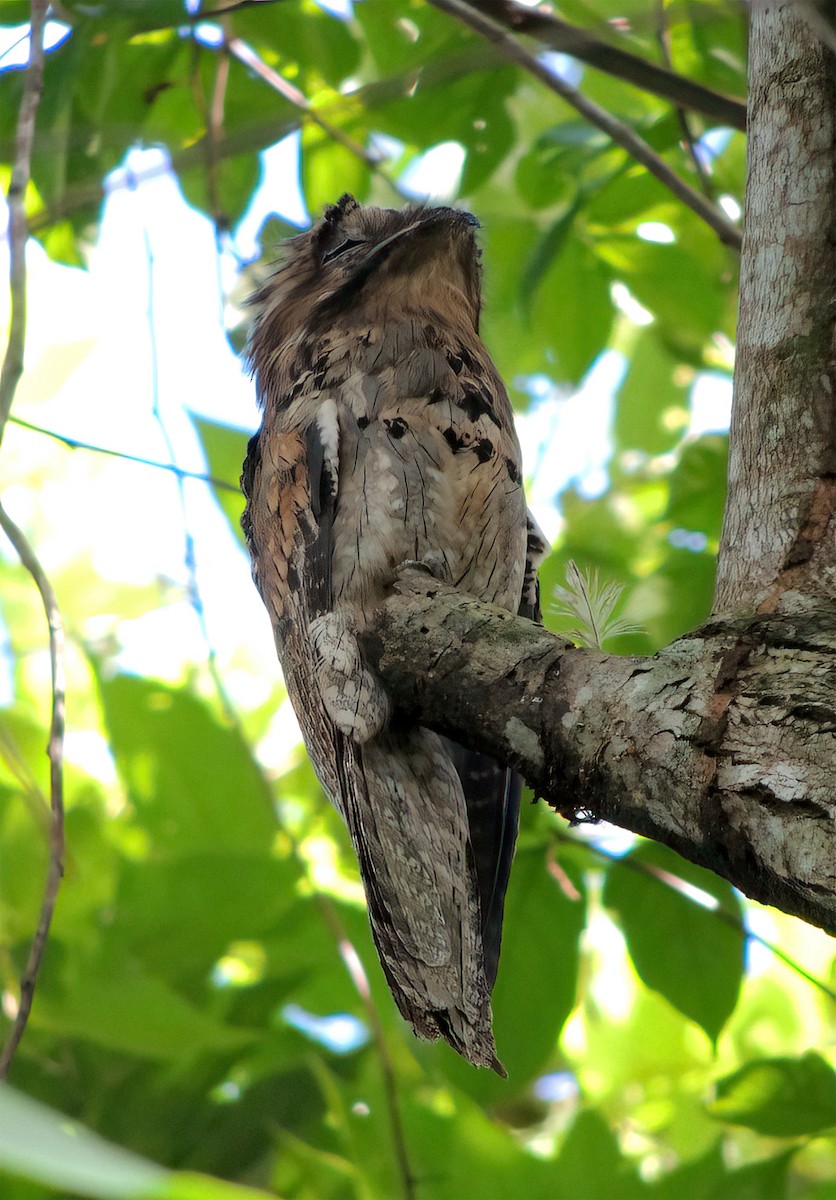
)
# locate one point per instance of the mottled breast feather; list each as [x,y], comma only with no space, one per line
[388,436]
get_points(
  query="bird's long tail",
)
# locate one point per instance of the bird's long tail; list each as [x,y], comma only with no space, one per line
[407,815]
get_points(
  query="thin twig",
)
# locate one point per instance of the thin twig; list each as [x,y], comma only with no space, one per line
[55,751]
[12,368]
[612,60]
[358,976]
[620,133]
[248,58]
[215,127]
[213,120]
[663,40]
[9,377]
[74,444]
[355,969]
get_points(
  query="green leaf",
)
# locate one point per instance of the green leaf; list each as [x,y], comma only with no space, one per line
[114,1003]
[193,781]
[146,14]
[324,47]
[555,163]
[689,314]
[763,1180]
[686,582]
[547,250]
[698,485]
[180,916]
[698,1179]
[328,169]
[225,449]
[649,391]
[61,244]
[572,311]
[685,951]
[41,1144]
[779,1097]
[16,12]
[538,970]
[400,36]
[44,1145]
[708,1178]
[590,1164]
[463,1153]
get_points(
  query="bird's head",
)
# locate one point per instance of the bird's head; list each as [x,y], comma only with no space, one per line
[371,263]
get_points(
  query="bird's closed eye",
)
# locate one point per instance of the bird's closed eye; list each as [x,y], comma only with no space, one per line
[348,244]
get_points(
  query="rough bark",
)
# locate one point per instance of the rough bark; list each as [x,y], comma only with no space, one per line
[722,745]
[778,551]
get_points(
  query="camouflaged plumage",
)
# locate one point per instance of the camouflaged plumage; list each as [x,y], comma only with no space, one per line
[388,436]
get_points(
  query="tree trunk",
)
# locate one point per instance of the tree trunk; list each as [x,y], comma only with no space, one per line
[778,550]
[722,745]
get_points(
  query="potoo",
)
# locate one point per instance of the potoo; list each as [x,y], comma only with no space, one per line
[388,436]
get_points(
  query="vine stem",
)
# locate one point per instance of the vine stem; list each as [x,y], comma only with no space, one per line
[9,377]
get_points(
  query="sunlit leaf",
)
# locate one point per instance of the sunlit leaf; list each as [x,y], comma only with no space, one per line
[41,1144]
[781,1097]
[690,953]
[193,780]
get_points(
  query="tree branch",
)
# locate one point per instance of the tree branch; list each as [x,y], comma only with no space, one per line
[579,43]
[621,134]
[721,745]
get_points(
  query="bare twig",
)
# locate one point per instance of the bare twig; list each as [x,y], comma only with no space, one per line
[664,42]
[621,134]
[248,57]
[55,750]
[360,980]
[580,43]
[212,110]
[215,127]
[21,171]
[74,444]
[612,60]
[354,966]
[9,377]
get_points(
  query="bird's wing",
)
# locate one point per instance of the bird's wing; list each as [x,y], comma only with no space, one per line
[398,792]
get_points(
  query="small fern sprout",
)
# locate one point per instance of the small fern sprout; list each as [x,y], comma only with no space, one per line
[591,601]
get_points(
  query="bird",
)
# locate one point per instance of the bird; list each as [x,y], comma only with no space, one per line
[387,436]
